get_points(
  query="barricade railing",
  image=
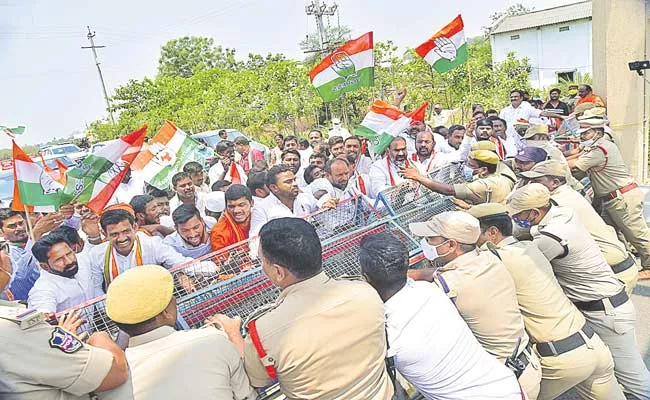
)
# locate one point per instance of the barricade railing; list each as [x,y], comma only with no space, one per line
[350,214]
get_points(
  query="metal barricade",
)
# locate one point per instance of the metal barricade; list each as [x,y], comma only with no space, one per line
[350,214]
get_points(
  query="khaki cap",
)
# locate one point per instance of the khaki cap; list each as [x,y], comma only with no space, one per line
[487,209]
[536,130]
[485,156]
[484,145]
[547,168]
[455,225]
[581,108]
[531,196]
[596,112]
[139,294]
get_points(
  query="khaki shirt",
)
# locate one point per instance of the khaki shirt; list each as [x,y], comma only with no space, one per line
[45,362]
[485,296]
[605,236]
[548,313]
[607,173]
[493,188]
[193,364]
[327,339]
[578,264]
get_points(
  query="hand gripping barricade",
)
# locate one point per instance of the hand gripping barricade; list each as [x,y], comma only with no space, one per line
[349,214]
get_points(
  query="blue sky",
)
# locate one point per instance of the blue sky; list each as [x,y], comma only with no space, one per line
[49,84]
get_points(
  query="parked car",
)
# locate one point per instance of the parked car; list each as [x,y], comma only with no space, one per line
[72,151]
[211,138]
[50,161]
[6,187]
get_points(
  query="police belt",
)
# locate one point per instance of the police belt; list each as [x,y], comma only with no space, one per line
[552,349]
[598,305]
[623,265]
[521,361]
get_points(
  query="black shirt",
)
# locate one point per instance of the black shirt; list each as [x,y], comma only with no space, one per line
[561,109]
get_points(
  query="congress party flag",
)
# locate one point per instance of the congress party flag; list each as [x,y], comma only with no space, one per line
[447,48]
[34,188]
[12,132]
[348,68]
[382,124]
[167,153]
[95,180]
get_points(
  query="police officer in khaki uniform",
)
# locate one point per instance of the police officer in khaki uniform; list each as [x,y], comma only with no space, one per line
[481,288]
[571,353]
[325,338]
[165,363]
[552,175]
[538,136]
[621,197]
[586,279]
[492,182]
[43,362]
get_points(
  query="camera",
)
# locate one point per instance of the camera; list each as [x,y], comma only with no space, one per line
[639,66]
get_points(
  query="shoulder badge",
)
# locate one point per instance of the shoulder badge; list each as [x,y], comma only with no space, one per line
[64,341]
[260,311]
[350,278]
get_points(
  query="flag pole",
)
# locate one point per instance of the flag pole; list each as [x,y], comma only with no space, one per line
[29,225]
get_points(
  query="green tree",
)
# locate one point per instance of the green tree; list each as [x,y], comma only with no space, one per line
[184,56]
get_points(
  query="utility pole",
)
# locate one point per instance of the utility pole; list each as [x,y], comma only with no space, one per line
[315,8]
[92,46]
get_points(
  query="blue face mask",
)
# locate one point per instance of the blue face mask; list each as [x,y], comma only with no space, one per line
[468,173]
[523,223]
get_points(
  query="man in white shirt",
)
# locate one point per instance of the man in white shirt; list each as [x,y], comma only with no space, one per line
[191,238]
[337,129]
[335,183]
[126,249]
[197,174]
[226,167]
[285,199]
[454,365]
[64,282]
[359,162]
[291,158]
[453,141]
[425,159]
[129,187]
[384,173]
[186,193]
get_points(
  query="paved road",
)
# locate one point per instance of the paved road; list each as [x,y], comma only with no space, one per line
[641,299]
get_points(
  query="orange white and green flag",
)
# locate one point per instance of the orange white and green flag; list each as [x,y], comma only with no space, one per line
[348,68]
[34,188]
[447,48]
[382,124]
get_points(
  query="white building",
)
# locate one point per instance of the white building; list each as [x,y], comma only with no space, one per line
[556,41]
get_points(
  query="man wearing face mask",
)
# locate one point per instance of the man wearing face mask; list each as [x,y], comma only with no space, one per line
[586,279]
[385,172]
[63,282]
[571,354]
[481,288]
[620,195]
[552,174]
[572,97]
[489,180]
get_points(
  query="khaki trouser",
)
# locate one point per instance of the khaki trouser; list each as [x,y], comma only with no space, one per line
[590,368]
[531,377]
[615,326]
[626,214]
[629,277]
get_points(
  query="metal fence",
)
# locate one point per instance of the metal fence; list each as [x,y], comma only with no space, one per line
[348,215]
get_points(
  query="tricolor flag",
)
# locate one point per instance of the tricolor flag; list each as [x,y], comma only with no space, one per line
[420,113]
[348,68]
[19,130]
[95,180]
[34,188]
[446,49]
[166,155]
[382,124]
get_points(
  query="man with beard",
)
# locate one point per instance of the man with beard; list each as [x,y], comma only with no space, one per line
[455,138]
[337,148]
[482,131]
[63,282]
[385,172]
[358,161]
[25,267]
[426,159]
[147,216]
[235,223]
[125,248]
[505,148]
[285,199]
[191,238]
[556,106]
[291,158]
[335,183]
[186,193]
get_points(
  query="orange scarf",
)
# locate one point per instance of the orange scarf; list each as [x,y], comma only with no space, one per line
[112,272]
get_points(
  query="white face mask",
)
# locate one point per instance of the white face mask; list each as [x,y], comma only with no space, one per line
[587,143]
[431,252]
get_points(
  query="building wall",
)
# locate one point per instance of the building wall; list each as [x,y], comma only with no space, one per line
[548,50]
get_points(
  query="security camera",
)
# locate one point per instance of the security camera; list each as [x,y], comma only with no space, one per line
[639,66]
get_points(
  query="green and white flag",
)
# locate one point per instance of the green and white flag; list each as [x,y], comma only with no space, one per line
[382,124]
[447,49]
[34,189]
[19,130]
[348,68]
[166,155]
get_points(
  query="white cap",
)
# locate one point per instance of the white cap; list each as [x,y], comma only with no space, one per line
[215,201]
